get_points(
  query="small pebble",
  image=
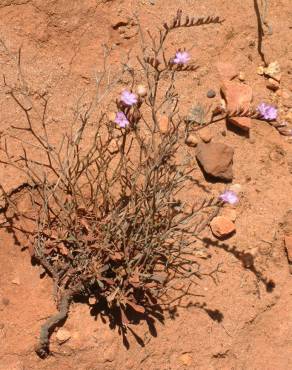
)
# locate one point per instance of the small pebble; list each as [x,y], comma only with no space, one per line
[211,94]
[223,132]
[260,70]
[272,84]
[63,335]
[16,281]
[192,140]
[205,134]
[222,226]
[186,359]
[241,76]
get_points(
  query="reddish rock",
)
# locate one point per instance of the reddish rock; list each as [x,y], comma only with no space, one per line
[238,96]
[221,226]
[216,160]
[227,71]
[288,245]
[272,84]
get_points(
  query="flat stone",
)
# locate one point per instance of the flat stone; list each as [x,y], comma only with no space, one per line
[221,226]
[238,96]
[216,160]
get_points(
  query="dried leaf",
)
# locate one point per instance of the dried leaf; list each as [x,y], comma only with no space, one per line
[124,318]
[112,296]
[100,284]
[116,256]
[136,307]
[31,249]
[63,250]
[134,280]
[85,224]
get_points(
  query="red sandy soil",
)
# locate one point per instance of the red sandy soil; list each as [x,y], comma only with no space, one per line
[61,49]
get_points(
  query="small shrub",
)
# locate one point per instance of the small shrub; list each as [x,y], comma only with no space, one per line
[109,221]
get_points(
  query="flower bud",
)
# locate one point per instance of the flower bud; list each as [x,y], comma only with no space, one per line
[141,90]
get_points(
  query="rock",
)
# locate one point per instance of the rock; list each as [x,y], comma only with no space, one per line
[186,359]
[288,246]
[223,132]
[238,96]
[216,160]
[260,70]
[241,76]
[63,335]
[211,94]
[192,140]
[227,71]
[16,281]
[221,226]
[272,84]
[205,134]
[163,124]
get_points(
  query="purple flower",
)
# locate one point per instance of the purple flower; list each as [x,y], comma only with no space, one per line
[121,120]
[181,57]
[267,111]
[229,196]
[128,98]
